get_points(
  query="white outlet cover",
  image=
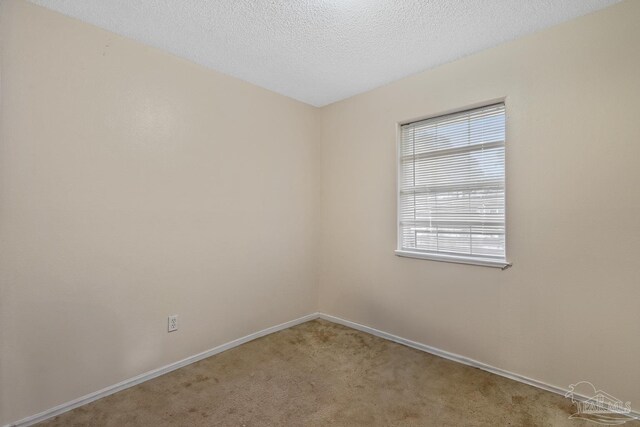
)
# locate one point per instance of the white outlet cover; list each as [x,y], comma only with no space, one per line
[173,323]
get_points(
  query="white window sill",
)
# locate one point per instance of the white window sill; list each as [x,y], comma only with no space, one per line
[456,259]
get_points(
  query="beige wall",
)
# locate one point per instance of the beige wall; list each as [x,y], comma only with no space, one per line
[134,185]
[568,308]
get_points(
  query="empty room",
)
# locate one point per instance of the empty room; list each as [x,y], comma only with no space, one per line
[319,213]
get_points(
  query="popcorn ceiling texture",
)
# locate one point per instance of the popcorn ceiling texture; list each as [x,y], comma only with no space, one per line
[322,51]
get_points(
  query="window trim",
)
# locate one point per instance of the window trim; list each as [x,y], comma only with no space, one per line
[458,259]
[485,262]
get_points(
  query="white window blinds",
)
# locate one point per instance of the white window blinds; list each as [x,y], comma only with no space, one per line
[452,187]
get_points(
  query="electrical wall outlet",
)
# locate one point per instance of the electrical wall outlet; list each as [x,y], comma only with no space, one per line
[173,323]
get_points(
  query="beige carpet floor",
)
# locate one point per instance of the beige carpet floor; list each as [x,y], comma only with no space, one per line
[319,374]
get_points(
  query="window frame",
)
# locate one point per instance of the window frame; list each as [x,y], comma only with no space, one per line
[458,259]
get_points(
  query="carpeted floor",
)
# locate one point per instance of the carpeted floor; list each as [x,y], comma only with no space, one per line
[319,374]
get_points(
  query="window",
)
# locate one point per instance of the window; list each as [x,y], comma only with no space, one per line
[451,201]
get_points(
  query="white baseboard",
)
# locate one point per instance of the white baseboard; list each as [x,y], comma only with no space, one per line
[456,358]
[50,413]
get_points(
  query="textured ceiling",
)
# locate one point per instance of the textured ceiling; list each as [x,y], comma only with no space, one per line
[321,51]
